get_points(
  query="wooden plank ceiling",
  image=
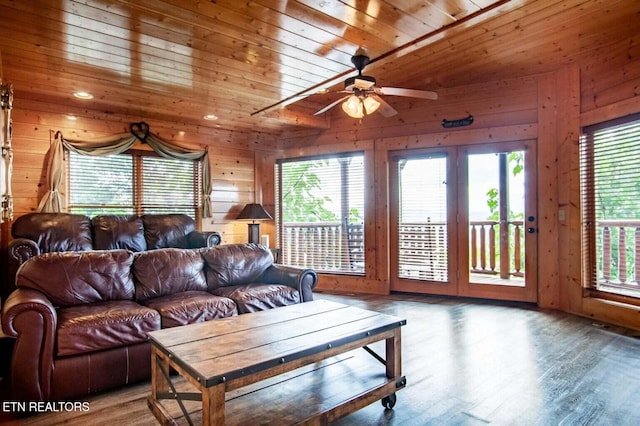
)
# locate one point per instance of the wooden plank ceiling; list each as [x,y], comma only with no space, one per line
[178,60]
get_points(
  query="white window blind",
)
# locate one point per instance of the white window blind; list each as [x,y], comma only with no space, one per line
[610,184]
[132,183]
[422,218]
[169,186]
[101,185]
[320,213]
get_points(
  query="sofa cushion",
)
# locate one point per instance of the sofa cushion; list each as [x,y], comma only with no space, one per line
[118,232]
[167,271]
[55,231]
[190,307]
[74,278]
[104,325]
[259,297]
[167,230]
[235,264]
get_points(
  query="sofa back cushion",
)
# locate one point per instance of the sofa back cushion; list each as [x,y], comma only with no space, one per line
[118,232]
[75,278]
[55,231]
[167,230]
[235,264]
[167,271]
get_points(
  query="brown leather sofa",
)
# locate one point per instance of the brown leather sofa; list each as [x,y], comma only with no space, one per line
[37,233]
[81,319]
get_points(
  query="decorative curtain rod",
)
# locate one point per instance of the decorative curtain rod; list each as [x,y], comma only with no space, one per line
[140,130]
[117,144]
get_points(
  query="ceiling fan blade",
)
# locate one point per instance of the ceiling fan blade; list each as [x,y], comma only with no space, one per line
[385,109]
[412,93]
[331,105]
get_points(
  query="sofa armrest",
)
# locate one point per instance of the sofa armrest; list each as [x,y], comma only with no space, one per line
[302,279]
[22,249]
[30,317]
[19,251]
[198,239]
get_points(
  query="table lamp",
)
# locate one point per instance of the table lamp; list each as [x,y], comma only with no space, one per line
[254,212]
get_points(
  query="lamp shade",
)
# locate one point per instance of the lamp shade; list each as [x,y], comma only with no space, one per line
[254,212]
[353,107]
[370,105]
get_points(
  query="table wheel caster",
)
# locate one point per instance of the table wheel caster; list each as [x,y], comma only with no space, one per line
[389,401]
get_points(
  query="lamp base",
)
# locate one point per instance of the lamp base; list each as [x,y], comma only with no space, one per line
[254,233]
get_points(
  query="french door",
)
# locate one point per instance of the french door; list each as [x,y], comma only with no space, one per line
[423,221]
[463,221]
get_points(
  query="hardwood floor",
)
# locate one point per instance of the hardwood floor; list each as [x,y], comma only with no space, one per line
[467,362]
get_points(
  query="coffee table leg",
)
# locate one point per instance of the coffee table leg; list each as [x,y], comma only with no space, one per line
[159,386]
[159,383]
[393,353]
[213,405]
[393,366]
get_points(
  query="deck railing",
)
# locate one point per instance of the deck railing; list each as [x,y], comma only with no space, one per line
[324,246]
[422,248]
[618,244]
[423,251]
[495,250]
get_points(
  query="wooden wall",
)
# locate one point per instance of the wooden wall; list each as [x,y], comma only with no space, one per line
[550,108]
[503,111]
[231,155]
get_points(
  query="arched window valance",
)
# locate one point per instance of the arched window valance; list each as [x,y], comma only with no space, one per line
[117,144]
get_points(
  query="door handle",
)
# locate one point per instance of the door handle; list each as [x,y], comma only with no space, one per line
[531,230]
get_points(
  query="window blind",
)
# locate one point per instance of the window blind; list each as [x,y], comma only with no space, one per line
[169,186]
[422,218]
[101,185]
[320,212]
[132,183]
[610,187]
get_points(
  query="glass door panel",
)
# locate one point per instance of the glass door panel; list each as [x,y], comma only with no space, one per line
[422,224]
[498,233]
[496,213]
[421,232]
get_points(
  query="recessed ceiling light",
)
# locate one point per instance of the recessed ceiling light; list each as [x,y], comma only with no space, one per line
[83,95]
[71,117]
[210,117]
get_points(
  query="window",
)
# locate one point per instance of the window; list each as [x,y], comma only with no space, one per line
[132,183]
[610,180]
[320,213]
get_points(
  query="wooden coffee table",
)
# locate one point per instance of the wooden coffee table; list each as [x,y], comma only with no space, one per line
[221,356]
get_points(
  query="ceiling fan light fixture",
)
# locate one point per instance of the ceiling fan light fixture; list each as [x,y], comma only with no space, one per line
[365,99]
[353,107]
[370,105]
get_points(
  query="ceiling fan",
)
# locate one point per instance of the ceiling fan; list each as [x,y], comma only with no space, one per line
[364,96]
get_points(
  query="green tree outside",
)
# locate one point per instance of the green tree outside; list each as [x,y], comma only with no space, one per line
[299,202]
[515,163]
